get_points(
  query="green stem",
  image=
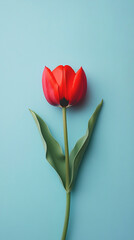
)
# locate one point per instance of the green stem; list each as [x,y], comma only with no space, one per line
[66,146]
[66,216]
[67,175]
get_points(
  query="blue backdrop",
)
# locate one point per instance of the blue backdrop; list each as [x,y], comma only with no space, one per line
[99,36]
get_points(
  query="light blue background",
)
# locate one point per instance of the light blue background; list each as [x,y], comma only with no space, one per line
[98,35]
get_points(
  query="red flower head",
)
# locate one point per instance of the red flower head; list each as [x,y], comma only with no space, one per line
[63,86]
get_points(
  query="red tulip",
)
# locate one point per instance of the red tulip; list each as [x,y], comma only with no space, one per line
[63,86]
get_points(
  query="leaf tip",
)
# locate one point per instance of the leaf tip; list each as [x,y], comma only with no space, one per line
[30,110]
[101,101]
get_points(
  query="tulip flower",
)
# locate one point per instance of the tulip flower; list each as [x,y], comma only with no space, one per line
[63,86]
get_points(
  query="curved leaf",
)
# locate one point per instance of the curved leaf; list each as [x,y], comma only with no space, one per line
[54,154]
[80,147]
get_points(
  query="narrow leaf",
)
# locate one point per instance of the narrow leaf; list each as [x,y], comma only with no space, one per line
[54,154]
[78,151]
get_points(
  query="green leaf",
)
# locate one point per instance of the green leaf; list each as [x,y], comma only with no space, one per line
[54,154]
[78,151]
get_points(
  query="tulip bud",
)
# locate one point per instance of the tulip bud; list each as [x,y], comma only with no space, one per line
[63,86]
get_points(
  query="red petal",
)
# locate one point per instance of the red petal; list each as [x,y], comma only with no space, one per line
[79,87]
[69,74]
[58,75]
[64,76]
[50,87]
